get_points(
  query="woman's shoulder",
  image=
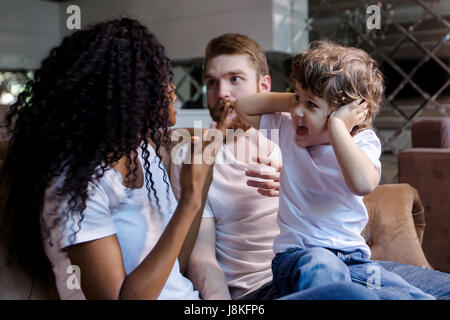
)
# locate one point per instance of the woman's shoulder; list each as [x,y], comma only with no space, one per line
[106,189]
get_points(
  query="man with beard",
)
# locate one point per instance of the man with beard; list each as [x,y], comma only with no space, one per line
[239,221]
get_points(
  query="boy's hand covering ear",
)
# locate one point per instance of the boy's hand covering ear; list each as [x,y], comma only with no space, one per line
[351,114]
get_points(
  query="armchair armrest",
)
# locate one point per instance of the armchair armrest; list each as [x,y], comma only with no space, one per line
[431,133]
[396,222]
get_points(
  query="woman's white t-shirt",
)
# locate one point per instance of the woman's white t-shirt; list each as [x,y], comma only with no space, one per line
[317,209]
[113,209]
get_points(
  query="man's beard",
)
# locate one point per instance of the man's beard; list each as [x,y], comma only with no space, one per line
[236,124]
[239,124]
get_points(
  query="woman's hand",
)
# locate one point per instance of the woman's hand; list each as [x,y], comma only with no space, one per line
[195,178]
[351,114]
[196,173]
[271,186]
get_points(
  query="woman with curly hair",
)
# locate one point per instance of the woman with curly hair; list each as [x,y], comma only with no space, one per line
[84,181]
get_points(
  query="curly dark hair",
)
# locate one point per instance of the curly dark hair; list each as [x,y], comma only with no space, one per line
[99,96]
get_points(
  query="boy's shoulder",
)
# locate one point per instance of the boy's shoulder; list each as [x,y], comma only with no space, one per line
[368,140]
[275,119]
[366,134]
[278,121]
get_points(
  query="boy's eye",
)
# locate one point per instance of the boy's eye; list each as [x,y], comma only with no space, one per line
[312,105]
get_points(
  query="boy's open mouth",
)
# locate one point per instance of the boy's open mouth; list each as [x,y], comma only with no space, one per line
[301,131]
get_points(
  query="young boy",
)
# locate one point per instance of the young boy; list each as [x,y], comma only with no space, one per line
[330,161]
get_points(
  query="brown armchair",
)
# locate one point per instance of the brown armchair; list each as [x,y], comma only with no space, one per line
[426,167]
[394,233]
[396,224]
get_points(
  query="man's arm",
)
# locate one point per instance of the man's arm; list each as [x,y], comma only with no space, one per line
[203,269]
[197,257]
[250,108]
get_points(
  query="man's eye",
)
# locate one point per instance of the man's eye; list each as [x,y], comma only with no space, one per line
[297,98]
[210,83]
[236,79]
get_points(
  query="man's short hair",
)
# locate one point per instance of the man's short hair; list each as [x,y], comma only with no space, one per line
[234,43]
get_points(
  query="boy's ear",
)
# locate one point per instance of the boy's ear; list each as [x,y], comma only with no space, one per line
[265,83]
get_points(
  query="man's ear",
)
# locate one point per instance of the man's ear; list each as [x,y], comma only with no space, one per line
[265,83]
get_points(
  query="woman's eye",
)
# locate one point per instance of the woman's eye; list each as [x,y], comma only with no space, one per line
[210,83]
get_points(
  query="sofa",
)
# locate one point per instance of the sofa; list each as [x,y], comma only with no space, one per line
[394,233]
[426,167]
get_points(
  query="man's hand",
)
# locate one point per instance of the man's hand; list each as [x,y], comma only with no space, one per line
[227,115]
[271,186]
[351,114]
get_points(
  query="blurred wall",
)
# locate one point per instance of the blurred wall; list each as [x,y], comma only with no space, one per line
[28,29]
[185,27]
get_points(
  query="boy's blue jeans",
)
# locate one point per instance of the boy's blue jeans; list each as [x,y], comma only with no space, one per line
[299,269]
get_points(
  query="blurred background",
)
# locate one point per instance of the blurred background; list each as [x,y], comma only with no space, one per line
[411,45]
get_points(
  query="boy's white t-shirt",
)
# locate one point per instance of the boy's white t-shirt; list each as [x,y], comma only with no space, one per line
[245,221]
[114,209]
[317,209]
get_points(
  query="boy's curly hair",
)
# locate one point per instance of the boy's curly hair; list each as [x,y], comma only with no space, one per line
[340,75]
